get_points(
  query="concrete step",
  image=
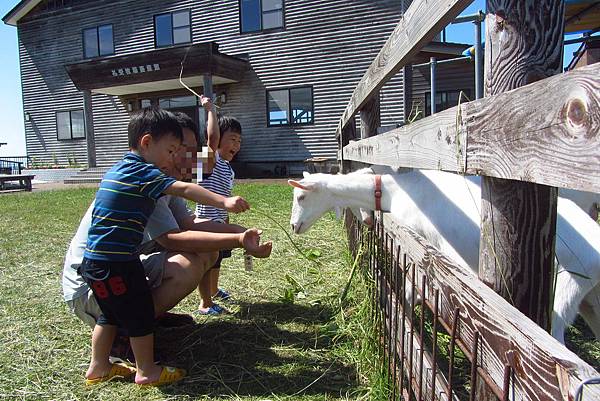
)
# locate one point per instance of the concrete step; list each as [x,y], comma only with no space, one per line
[89,176]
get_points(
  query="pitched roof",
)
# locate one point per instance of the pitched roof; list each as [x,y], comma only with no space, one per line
[19,11]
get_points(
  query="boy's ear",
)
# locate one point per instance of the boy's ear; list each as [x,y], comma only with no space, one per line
[145,141]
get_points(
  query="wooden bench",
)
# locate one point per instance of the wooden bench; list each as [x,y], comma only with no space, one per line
[23,179]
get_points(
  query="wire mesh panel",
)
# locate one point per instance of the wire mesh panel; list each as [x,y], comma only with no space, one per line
[420,351]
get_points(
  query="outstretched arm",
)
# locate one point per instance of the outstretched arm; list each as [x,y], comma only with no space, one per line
[198,194]
[212,124]
[202,241]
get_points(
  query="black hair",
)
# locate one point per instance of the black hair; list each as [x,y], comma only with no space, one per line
[186,121]
[228,123]
[154,121]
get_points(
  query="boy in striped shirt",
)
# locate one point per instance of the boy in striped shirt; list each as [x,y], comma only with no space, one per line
[224,137]
[111,266]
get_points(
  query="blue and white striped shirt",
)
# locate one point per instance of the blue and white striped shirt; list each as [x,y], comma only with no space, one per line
[125,199]
[220,181]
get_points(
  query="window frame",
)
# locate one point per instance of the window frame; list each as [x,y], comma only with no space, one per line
[261,29]
[189,11]
[97,29]
[289,111]
[70,125]
[427,111]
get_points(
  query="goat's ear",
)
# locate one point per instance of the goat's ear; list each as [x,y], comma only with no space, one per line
[305,174]
[298,184]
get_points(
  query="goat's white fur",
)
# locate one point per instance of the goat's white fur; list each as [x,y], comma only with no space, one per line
[444,208]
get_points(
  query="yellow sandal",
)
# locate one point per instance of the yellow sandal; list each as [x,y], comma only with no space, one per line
[168,375]
[117,371]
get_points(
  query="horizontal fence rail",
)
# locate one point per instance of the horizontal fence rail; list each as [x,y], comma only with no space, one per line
[503,348]
[546,132]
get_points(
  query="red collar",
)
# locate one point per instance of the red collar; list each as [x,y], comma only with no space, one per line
[377,192]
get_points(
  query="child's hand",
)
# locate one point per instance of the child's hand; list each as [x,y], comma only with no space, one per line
[206,103]
[252,245]
[236,204]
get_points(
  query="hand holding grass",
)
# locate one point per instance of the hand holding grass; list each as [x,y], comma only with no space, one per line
[250,241]
[236,204]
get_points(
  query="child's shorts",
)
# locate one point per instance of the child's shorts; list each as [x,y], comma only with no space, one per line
[226,253]
[122,293]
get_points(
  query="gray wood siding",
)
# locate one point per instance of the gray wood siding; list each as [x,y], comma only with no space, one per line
[325,44]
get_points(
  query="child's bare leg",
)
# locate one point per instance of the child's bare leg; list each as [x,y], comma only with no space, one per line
[143,349]
[102,339]
[214,281]
[204,291]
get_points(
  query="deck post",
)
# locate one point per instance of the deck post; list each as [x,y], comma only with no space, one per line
[88,116]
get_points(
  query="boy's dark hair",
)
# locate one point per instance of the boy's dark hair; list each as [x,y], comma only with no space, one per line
[154,121]
[228,123]
[186,121]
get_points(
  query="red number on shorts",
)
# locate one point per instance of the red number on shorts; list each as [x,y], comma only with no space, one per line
[117,285]
[100,289]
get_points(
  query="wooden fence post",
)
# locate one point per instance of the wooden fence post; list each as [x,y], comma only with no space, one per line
[523,44]
[370,118]
[348,133]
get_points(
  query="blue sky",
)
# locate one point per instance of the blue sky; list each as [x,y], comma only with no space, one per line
[11,117]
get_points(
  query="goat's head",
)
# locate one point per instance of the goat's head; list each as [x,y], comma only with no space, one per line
[311,201]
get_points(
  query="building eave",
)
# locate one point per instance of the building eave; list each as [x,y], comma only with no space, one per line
[19,11]
[157,70]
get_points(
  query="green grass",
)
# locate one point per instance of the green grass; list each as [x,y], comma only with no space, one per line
[287,336]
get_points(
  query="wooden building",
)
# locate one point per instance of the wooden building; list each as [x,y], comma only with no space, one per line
[284,68]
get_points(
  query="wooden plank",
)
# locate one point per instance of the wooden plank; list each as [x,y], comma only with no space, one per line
[421,22]
[370,117]
[545,132]
[518,219]
[542,368]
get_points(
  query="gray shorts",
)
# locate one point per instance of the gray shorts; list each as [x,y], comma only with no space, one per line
[86,308]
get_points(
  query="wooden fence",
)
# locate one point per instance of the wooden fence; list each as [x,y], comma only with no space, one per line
[547,133]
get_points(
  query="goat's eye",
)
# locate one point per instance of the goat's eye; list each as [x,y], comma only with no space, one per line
[300,198]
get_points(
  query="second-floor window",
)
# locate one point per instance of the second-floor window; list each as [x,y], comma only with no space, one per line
[260,15]
[98,41]
[172,28]
[292,106]
[70,125]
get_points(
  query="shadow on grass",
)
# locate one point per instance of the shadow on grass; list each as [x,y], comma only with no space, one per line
[252,355]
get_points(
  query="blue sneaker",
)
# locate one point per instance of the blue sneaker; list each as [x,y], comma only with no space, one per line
[222,294]
[213,310]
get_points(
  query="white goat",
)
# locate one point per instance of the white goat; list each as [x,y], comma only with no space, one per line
[444,209]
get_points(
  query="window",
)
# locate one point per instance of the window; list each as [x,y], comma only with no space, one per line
[98,41]
[172,28]
[444,100]
[261,15]
[180,101]
[290,106]
[70,125]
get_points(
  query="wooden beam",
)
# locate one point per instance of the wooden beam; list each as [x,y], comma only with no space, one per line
[421,22]
[90,139]
[370,118]
[545,132]
[348,134]
[542,368]
[518,219]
